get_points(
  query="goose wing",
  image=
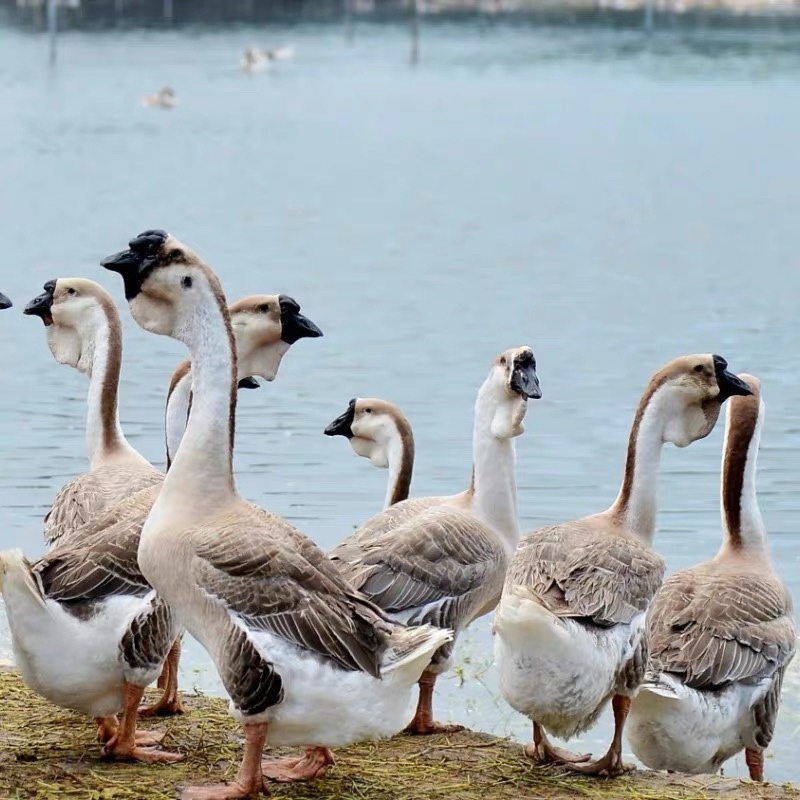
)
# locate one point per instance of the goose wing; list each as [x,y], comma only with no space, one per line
[714,629]
[439,565]
[272,578]
[87,495]
[576,572]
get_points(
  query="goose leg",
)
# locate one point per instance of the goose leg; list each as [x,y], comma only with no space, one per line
[423,723]
[250,780]
[542,752]
[125,744]
[755,763]
[169,704]
[314,764]
[108,727]
[611,764]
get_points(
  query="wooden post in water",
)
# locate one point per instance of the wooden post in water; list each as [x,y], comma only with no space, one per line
[168,13]
[414,55]
[649,16]
[52,29]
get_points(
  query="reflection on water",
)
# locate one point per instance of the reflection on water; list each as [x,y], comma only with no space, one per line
[610,202]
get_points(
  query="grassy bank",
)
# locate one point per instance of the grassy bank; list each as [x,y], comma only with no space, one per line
[47,753]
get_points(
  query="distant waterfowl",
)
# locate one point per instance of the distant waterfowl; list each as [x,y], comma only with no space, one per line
[5,302]
[305,659]
[442,560]
[384,437]
[258,59]
[84,331]
[570,626]
[165,97]
[722,634]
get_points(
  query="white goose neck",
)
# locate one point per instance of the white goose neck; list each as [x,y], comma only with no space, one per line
[201,473]
[399,483]
[494,498]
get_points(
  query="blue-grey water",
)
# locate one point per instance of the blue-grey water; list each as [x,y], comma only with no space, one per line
[611,202]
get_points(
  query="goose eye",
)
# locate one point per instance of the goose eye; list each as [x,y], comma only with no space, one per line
[367,410]
[264,308]
[71,291]
[699,368]
[503,361]
[186,282]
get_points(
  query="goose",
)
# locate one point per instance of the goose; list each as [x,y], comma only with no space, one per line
[722,633]
[384,437]
[305,658]
[165,97]
[5,302]
[86,604]
[569,629]
[84,331]
[442,560]
[258,59]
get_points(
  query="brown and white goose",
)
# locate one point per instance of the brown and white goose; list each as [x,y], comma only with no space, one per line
[722,634]
[442,560]
[570,626]
[380,431]
[305,658]
[84,331]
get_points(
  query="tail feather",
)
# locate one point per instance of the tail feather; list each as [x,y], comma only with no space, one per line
[15,570]
[411,649]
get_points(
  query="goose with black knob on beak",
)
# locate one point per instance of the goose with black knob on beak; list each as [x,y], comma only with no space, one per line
[722,633]
[385,438]
[442,560]
[84,331]
[570,628]
[305,658]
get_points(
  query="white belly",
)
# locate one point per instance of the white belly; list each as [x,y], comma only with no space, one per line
[558,672]
[74,663]
[684,730]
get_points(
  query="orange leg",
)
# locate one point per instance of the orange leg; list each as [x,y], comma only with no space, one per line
[249,781]
[542,752]
[611,764]
[125,744]
[755,763]
[314,764]
[169,704]
[423,723]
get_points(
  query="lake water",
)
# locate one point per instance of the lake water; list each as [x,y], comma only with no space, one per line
[611,202]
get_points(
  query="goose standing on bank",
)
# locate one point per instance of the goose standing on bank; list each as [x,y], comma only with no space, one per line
[84,331]
[442,560]
[384,437]
[305,658]
[721,634]
[570,626]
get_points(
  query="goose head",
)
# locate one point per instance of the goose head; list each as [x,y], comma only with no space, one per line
[166,285]
[688,394]
[265,327]
[5,302]
[511,382]
[74,311]
[374,427]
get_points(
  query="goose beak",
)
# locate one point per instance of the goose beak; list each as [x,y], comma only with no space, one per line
[342,425]
[524,379]
[135,263]
[294,324]
[729,384]
[249,383]
[4,302]
[42,304]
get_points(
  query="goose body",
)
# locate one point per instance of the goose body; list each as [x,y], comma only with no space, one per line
[570,626]
[304,658]
[442,560]
[84,331]
[259,59]
[722,633]
[163,98]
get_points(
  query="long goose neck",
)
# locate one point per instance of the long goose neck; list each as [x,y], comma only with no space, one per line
[494,484]
[741,515]
[202,469]
[401,465]
[176,413]
[104,436]
[636,505]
